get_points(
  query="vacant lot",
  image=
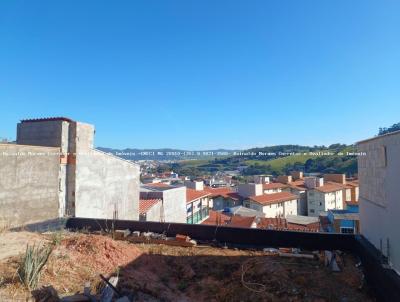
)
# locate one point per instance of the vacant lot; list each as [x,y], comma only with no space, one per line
[165,273]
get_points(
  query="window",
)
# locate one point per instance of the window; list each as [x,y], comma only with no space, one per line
[312,211]
[345,230]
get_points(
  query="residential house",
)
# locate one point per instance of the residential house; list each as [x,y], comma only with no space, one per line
[173,202]
[262,179]
[322,197]
[298,188]
[150,210]
[223,198]
[198,202]
[273,205]
[342,221]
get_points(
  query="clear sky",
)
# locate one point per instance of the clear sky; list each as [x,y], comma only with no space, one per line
[203,74]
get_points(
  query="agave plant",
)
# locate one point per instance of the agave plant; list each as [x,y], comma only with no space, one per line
[32,264]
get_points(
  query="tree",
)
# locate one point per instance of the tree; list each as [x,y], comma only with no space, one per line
[393,128]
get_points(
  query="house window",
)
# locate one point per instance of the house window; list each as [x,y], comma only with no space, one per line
[312,211]
[345,230]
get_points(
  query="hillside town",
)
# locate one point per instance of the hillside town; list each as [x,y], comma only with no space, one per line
[323,203]
[89,183]
[53,177]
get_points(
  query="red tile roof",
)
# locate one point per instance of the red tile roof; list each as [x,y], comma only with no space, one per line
[298,185]
[329,187]
[158,184]
[219,218]
[223,192]
[241,221]
[266,199]
[192,195]
[282,224]
[146,204]
[274,185]
[216,218]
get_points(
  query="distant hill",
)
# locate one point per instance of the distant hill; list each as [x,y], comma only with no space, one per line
[274,160]
[166,153]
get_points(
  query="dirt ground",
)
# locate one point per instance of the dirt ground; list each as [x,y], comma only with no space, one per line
[14,243]
[165,273]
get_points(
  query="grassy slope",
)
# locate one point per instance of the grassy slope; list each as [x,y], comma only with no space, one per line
[279,163]
[276,164]
[194,163]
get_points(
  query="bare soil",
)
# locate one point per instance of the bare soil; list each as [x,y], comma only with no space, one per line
[166,273]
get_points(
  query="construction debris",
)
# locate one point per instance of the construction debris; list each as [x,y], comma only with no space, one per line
[293,255]
[108,292]
[331,261]
[121,234]
[157,238]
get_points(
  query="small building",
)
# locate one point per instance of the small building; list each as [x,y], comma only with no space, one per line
[223,198]
[150,209]
[298,188]
[325,197]
[273,205]
[342,221]
[173,202]
[262,179]
[198,202]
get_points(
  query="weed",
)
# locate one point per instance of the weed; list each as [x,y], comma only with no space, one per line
[5,226]
[32,264]
[57,237]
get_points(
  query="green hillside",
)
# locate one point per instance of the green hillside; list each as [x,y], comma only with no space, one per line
[307,159]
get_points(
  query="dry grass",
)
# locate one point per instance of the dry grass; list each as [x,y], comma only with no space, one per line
[5,226]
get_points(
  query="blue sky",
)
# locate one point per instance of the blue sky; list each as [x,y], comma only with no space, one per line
[203,74]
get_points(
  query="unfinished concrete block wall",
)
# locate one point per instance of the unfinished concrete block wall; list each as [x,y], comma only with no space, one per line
[153,214]
[29,184]
[89,183]
[105,184]
[174,201]
[379,174]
